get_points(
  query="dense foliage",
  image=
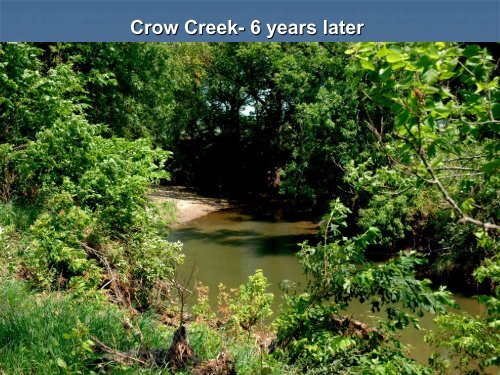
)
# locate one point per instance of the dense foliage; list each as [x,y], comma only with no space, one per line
[401,139]
[310,330]
[86,194]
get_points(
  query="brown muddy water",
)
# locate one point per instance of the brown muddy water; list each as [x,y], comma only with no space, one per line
[228,246]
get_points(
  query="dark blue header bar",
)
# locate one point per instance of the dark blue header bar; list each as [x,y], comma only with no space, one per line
[243,20]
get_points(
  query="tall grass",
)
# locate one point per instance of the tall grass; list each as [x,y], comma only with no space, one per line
[48,333]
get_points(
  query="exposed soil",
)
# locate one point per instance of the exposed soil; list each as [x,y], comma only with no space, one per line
[189,204]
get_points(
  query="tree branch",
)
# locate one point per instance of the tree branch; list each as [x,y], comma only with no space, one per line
[464,217]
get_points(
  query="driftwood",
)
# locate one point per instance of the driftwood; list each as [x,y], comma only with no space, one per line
[222,365]
[179,355]
[123,358]
[344,325]
[355,327]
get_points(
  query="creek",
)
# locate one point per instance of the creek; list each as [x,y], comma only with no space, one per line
[229,245]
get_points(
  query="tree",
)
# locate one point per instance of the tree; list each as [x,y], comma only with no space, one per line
[445,137]
[312,333]
[90,223]
[445,102]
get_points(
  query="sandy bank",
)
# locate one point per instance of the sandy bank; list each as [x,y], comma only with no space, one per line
[189,205]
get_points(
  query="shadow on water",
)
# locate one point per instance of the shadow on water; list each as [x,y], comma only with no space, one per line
[228,246]
[263,245]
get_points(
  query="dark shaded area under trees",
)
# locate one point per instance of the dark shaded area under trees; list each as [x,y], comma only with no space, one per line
[241,119]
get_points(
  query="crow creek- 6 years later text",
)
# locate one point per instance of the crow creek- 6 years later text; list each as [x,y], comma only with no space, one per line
[193,27]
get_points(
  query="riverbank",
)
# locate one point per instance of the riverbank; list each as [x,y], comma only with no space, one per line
[189,205]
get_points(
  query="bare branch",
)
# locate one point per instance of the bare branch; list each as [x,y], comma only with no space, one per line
[456,169]
[464,217]
[466,158]
[461,175]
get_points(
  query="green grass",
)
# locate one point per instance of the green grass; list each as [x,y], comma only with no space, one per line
[47,333]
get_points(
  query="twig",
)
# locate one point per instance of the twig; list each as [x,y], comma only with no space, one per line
[464,217]
[122,356]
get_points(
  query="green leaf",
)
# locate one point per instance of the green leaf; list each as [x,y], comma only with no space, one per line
[491,166]
[430,75]
[394,57]
[367,65]
[61,363]
[467,205]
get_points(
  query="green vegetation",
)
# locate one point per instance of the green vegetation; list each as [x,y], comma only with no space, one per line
[52,332]
[398,143]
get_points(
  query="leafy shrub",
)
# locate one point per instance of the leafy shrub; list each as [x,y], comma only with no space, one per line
[310,331]
[251,303]
[390,215]
[55,255]
[95,189]
[111,177]
[88,193]
[150,259]
[472,343]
